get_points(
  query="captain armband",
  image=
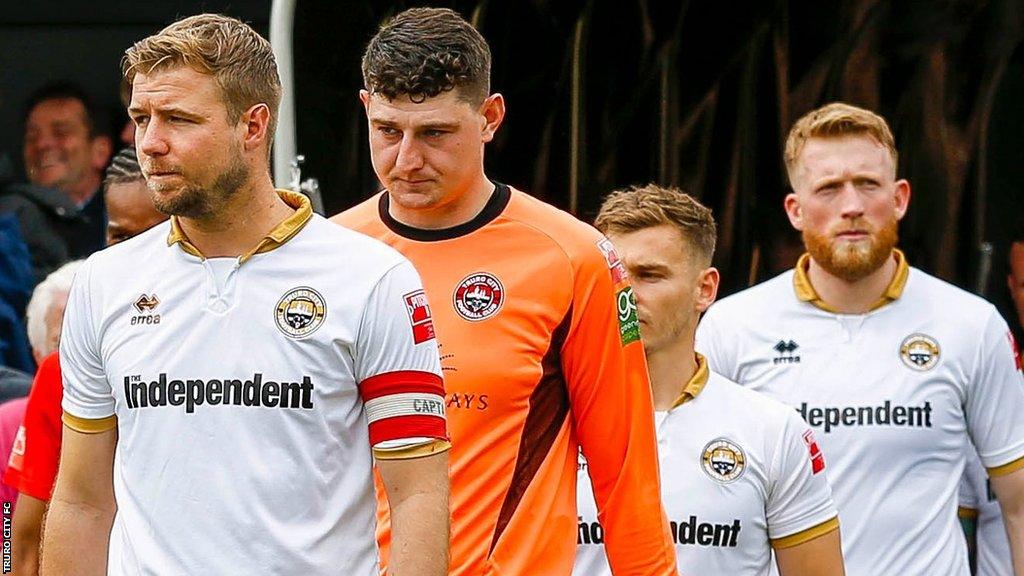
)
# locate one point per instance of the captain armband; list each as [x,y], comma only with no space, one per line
[404,410]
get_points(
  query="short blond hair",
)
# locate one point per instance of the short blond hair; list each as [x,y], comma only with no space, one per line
[640,207]
[240,60]
[836,120]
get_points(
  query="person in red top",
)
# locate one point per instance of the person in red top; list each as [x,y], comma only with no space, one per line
[32,468]
[537,323]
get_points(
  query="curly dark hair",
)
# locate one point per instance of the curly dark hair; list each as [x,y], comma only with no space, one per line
[423,52]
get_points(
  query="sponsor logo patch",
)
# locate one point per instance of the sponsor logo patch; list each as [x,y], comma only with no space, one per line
[615,264]
[629,324]
[786,352]
[419,316]
[723,461]
[300,312]
[920,352]
[145,305]
[478,297]
[817,458]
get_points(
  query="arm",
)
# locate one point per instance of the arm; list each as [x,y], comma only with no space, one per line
[613,413]
[1009,491]
[417,491]
[821,556]
[26,535]
[82,509]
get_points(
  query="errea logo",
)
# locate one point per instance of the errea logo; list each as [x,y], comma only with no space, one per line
[786,352]
[145,305]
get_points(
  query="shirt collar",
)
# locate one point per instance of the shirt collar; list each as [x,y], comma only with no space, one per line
[281,233]
[696,383]
[806,293]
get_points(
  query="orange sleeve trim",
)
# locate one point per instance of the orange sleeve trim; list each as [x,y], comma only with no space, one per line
[965,512]
[1008,468]
[811,533]
[89,425]
[414,451]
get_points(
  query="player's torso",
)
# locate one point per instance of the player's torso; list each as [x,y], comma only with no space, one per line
[715,465]
[237,379]
[884,393]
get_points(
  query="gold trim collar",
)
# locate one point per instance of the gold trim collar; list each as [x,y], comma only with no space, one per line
[806,293]
[696,383]
[281,233]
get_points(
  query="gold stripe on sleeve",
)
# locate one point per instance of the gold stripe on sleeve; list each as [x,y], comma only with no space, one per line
[1008,468]
[807,535]
[89,425]
[414,451]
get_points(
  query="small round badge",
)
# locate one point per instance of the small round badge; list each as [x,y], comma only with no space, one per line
[300,312]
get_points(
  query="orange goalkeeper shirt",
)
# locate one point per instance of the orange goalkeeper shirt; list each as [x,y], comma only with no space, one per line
[541,355]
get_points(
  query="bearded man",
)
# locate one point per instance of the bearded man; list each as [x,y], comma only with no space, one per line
[895,370]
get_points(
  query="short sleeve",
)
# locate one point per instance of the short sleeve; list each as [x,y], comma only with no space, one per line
[397,364]
[995,399]
[800,506]
[87,393]
[709,342]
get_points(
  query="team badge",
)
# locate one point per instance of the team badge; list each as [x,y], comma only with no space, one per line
[478,297]
[919,352]
[723,460]
[300,312]
[419,316]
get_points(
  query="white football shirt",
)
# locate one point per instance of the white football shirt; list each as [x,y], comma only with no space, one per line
[978,500]
[740,474]
[244,392]
[894,396]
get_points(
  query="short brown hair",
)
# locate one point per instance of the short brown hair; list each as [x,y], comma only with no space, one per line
[240,60]
[423,52]
[836,120]
[647,206]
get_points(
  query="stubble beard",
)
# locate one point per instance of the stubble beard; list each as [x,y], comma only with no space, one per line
[852,262]
[194,201]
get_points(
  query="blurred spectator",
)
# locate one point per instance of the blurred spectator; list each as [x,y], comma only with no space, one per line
[33,469]
[44,317]
[1015,278]
[16,282]
[61,215]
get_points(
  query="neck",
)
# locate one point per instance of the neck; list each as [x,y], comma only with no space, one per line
[670,368]
[852,297]
[81,191]
[464,208]
[239,225]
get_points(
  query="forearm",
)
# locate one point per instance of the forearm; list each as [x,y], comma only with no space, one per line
[1014,522]
[26,532]
[76,539]
[420,536]
[1009,491]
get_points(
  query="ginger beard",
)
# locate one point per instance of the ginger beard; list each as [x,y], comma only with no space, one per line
[852,261]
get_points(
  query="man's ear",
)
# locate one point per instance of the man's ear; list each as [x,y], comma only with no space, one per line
[101,149]
[706,289]
[794,211]
[257,126]
[493,111]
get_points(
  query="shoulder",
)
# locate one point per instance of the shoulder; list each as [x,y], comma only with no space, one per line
[959,304]
[766,296]
[750,406]
[124,256]
[340,245]
[362,216]
[560,231]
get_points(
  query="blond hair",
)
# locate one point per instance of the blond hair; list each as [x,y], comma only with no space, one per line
[240,60]
[640,207]
[836,120]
